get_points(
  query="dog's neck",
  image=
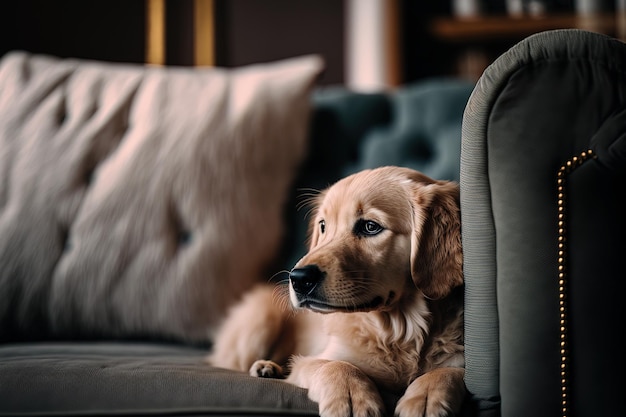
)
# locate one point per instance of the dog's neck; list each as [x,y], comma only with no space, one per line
[409,320]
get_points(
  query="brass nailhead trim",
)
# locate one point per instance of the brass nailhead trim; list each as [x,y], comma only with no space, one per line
[565,170]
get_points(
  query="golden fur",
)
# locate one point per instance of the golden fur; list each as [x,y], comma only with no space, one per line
[378,302]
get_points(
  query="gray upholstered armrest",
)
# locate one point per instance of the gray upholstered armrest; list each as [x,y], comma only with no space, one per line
[543,174]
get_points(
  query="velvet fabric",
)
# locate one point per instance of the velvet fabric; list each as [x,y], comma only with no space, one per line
[543,169]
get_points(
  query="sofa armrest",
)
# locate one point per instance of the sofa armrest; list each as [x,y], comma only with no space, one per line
[543,168]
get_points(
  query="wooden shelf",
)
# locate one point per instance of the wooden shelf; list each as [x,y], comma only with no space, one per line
[495,28]
[476,42]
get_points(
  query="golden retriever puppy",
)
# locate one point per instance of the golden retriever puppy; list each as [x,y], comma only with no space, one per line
[377,302]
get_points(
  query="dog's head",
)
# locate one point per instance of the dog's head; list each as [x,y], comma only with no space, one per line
[377,235]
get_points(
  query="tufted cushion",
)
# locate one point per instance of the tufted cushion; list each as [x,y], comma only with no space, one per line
[141,201]
[425,131]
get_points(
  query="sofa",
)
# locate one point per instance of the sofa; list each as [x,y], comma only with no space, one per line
[138,203]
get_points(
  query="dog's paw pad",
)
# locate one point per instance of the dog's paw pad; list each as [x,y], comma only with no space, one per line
[266,369]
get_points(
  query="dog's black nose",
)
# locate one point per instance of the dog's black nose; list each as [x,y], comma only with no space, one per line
[305,279]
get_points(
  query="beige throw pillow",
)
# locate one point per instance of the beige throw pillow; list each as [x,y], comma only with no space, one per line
[141,201]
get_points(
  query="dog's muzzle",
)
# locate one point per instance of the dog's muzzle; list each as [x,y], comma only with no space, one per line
[304,280]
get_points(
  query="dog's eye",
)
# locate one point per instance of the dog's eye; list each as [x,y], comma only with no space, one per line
[322,226]
[368,228]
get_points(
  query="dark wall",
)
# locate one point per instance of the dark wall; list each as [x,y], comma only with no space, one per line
[257,31]
[112,30]
[247,31]
[423,56]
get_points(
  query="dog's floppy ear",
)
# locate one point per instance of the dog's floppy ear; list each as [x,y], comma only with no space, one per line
[436,250]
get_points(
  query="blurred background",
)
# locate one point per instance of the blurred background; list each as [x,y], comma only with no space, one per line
[367,44]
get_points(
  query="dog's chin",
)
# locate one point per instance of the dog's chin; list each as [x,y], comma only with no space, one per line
[328,306]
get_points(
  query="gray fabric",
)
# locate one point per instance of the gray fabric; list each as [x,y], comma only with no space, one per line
[127,378]
[596,227]
[535,108]
[479,251]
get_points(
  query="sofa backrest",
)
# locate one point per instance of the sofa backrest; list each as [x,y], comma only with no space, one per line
[543,197]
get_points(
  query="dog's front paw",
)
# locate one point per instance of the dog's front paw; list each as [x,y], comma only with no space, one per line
[438,393]
[266,369]
[342,390]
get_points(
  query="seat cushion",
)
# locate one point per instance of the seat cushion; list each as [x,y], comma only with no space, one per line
[134,379]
